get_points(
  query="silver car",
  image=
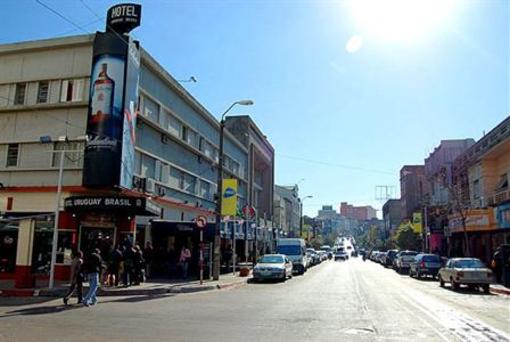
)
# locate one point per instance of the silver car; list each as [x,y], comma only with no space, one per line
[466,271]
[273,266]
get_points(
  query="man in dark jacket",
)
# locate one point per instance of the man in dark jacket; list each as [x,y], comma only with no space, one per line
[93,265]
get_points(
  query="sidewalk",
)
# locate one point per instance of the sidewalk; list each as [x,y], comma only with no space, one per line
[149,288]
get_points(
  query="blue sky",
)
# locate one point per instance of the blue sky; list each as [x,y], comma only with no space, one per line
[362,115]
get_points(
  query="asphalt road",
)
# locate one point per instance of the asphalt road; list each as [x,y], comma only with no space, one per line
[335,301]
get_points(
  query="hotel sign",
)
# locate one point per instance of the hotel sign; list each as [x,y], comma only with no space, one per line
[123,18]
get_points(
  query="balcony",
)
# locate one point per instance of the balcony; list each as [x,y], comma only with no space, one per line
[499,197]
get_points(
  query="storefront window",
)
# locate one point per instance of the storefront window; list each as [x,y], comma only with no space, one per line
[8,246]
[43,239]
[66,242]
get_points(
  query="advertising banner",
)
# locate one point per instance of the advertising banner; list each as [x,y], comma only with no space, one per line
[229,197]
[130,113]
[113,101]
[417,223]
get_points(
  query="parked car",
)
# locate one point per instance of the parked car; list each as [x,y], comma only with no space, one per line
[403,261]
[314,256]
[295,250]
[328,250]
[425,264]
[323,255]
[273,266]
[381,257]
[373,255]
[466,271]
[390,256]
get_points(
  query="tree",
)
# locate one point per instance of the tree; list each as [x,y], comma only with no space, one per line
[407,238]
[457,205]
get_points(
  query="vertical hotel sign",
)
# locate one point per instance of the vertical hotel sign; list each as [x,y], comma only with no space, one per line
[229,197]
[113,101]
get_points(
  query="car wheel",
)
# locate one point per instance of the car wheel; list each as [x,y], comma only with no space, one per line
[441,281]
[455,285]
[418,275]
[486,288]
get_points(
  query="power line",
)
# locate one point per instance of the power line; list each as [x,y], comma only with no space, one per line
[351,167]
[61,16]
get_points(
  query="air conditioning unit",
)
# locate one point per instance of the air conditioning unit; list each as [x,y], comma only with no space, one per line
[161,192]
[150,185]
[165,139]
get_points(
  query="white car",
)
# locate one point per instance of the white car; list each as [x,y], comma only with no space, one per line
[273,266]
[466,271]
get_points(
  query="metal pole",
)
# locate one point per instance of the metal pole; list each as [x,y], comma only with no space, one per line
[55,228]
[201,256]
[234,231]
[219,195]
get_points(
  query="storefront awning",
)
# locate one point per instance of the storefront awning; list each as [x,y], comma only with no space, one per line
[118,204]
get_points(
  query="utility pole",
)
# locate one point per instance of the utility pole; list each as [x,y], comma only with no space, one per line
[219,193]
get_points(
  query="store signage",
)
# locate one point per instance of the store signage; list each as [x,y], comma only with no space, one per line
[122,18]
[134,205]
[113,104]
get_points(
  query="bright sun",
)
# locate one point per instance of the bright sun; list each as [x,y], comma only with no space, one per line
[400,20]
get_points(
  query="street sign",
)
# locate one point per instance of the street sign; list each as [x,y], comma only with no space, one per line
[201,221]
[248,212]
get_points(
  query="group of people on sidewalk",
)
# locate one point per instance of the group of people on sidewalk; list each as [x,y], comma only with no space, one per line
[125,261]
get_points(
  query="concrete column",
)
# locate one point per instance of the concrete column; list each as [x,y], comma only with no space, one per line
[23,276]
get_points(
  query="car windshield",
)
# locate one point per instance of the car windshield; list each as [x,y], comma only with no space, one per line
[289,249]
[408,254]
[431,258]
[469,263]
[271,259]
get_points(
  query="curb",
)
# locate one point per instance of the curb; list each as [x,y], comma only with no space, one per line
[175,289]
[500,291]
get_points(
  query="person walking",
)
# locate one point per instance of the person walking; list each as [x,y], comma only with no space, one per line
[138,265]
[128,277]
[148,254]
[184,261]
[114,271]
[93,265]
[76,278]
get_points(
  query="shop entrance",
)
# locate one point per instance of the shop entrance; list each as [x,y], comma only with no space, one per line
[97,237]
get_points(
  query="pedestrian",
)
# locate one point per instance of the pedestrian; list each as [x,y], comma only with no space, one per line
[497,264]
[184,261]
[128,277]
[93,266]
[114,269]
[138,265]
[148,254]
[76,278]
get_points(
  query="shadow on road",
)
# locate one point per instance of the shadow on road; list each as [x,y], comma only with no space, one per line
[265,282]
[137,299]
[467,290]
[19,301]
[41,310]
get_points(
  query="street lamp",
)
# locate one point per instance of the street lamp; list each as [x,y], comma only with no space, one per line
[47,140]
[219,194]
[302,217]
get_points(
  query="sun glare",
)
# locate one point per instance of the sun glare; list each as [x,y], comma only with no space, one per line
[401,20]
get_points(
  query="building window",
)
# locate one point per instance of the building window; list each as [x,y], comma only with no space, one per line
[503,182]
[476,189]
[19,95]
[184,133]
[151,109]
[71,90]
[12,155]
[73,158]
[43,91]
